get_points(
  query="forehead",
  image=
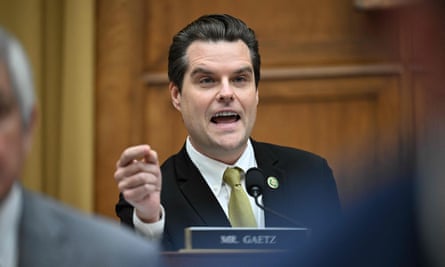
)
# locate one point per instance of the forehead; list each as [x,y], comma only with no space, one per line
[221,55]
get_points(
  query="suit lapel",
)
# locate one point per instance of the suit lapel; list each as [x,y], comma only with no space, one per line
[39,234]
[198,193]
[273,198]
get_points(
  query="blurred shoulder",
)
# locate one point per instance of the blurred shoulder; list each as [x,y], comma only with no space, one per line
[92,237]
[285,152]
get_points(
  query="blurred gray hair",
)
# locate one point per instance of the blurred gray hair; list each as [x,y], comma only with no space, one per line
[19,72]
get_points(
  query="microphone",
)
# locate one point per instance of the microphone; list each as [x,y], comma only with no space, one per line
[255,182]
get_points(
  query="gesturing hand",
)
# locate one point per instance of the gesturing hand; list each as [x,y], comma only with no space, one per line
[138,177]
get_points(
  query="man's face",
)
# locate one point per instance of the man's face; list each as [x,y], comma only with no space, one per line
[219,99]
[13,138]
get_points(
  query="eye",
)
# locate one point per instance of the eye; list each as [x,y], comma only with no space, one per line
[6,106]
[206,81]
[241,80]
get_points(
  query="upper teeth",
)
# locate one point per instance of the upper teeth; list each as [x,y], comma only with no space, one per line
[225,113]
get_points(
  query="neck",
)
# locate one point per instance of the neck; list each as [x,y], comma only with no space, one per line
[227,156]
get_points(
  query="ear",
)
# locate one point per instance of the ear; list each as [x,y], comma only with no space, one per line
[175,95]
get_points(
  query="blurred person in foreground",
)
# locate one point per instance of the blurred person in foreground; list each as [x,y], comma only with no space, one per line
[402,223]
[35,230]
[214,73]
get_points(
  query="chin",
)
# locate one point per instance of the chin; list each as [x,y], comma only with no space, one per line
[231,144]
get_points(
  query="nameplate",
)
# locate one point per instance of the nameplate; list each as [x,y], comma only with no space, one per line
[229,238]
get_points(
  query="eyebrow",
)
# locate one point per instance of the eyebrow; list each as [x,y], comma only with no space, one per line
[200,71]
[247,69]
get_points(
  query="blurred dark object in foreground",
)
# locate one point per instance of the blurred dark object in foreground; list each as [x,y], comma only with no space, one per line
[401,224]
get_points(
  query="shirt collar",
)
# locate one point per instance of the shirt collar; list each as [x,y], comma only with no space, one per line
[213,170]
[10,210]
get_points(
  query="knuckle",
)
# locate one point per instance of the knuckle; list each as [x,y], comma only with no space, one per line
[128,195]
[122,187]
[140,177]
[117,175]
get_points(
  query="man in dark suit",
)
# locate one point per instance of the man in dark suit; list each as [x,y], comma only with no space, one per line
[214,71]
[35,230]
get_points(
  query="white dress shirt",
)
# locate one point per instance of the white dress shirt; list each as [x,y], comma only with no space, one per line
[10,210]
[212,171]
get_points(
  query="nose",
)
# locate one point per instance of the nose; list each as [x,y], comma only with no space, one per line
[226,92]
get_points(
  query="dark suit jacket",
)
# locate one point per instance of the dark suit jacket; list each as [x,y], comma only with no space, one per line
[307,193]
[53,235]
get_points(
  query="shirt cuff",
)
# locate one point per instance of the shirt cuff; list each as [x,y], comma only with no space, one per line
[152,231]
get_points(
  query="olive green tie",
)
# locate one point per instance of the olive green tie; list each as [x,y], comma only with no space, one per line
[240,211]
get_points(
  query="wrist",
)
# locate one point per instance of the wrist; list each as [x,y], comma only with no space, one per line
[152,218]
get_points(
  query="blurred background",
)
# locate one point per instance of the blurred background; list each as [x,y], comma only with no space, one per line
[344,79]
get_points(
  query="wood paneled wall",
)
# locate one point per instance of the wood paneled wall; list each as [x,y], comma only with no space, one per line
[334,81]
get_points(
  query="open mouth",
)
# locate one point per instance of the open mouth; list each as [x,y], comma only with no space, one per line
[225,117]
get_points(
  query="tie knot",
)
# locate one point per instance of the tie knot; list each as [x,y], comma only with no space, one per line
[233,175]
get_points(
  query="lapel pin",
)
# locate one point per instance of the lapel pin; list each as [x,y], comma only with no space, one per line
[272,182]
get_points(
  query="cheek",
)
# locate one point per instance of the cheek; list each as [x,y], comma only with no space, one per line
[12,147]
[251,103]
[195,105]
[11,160]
